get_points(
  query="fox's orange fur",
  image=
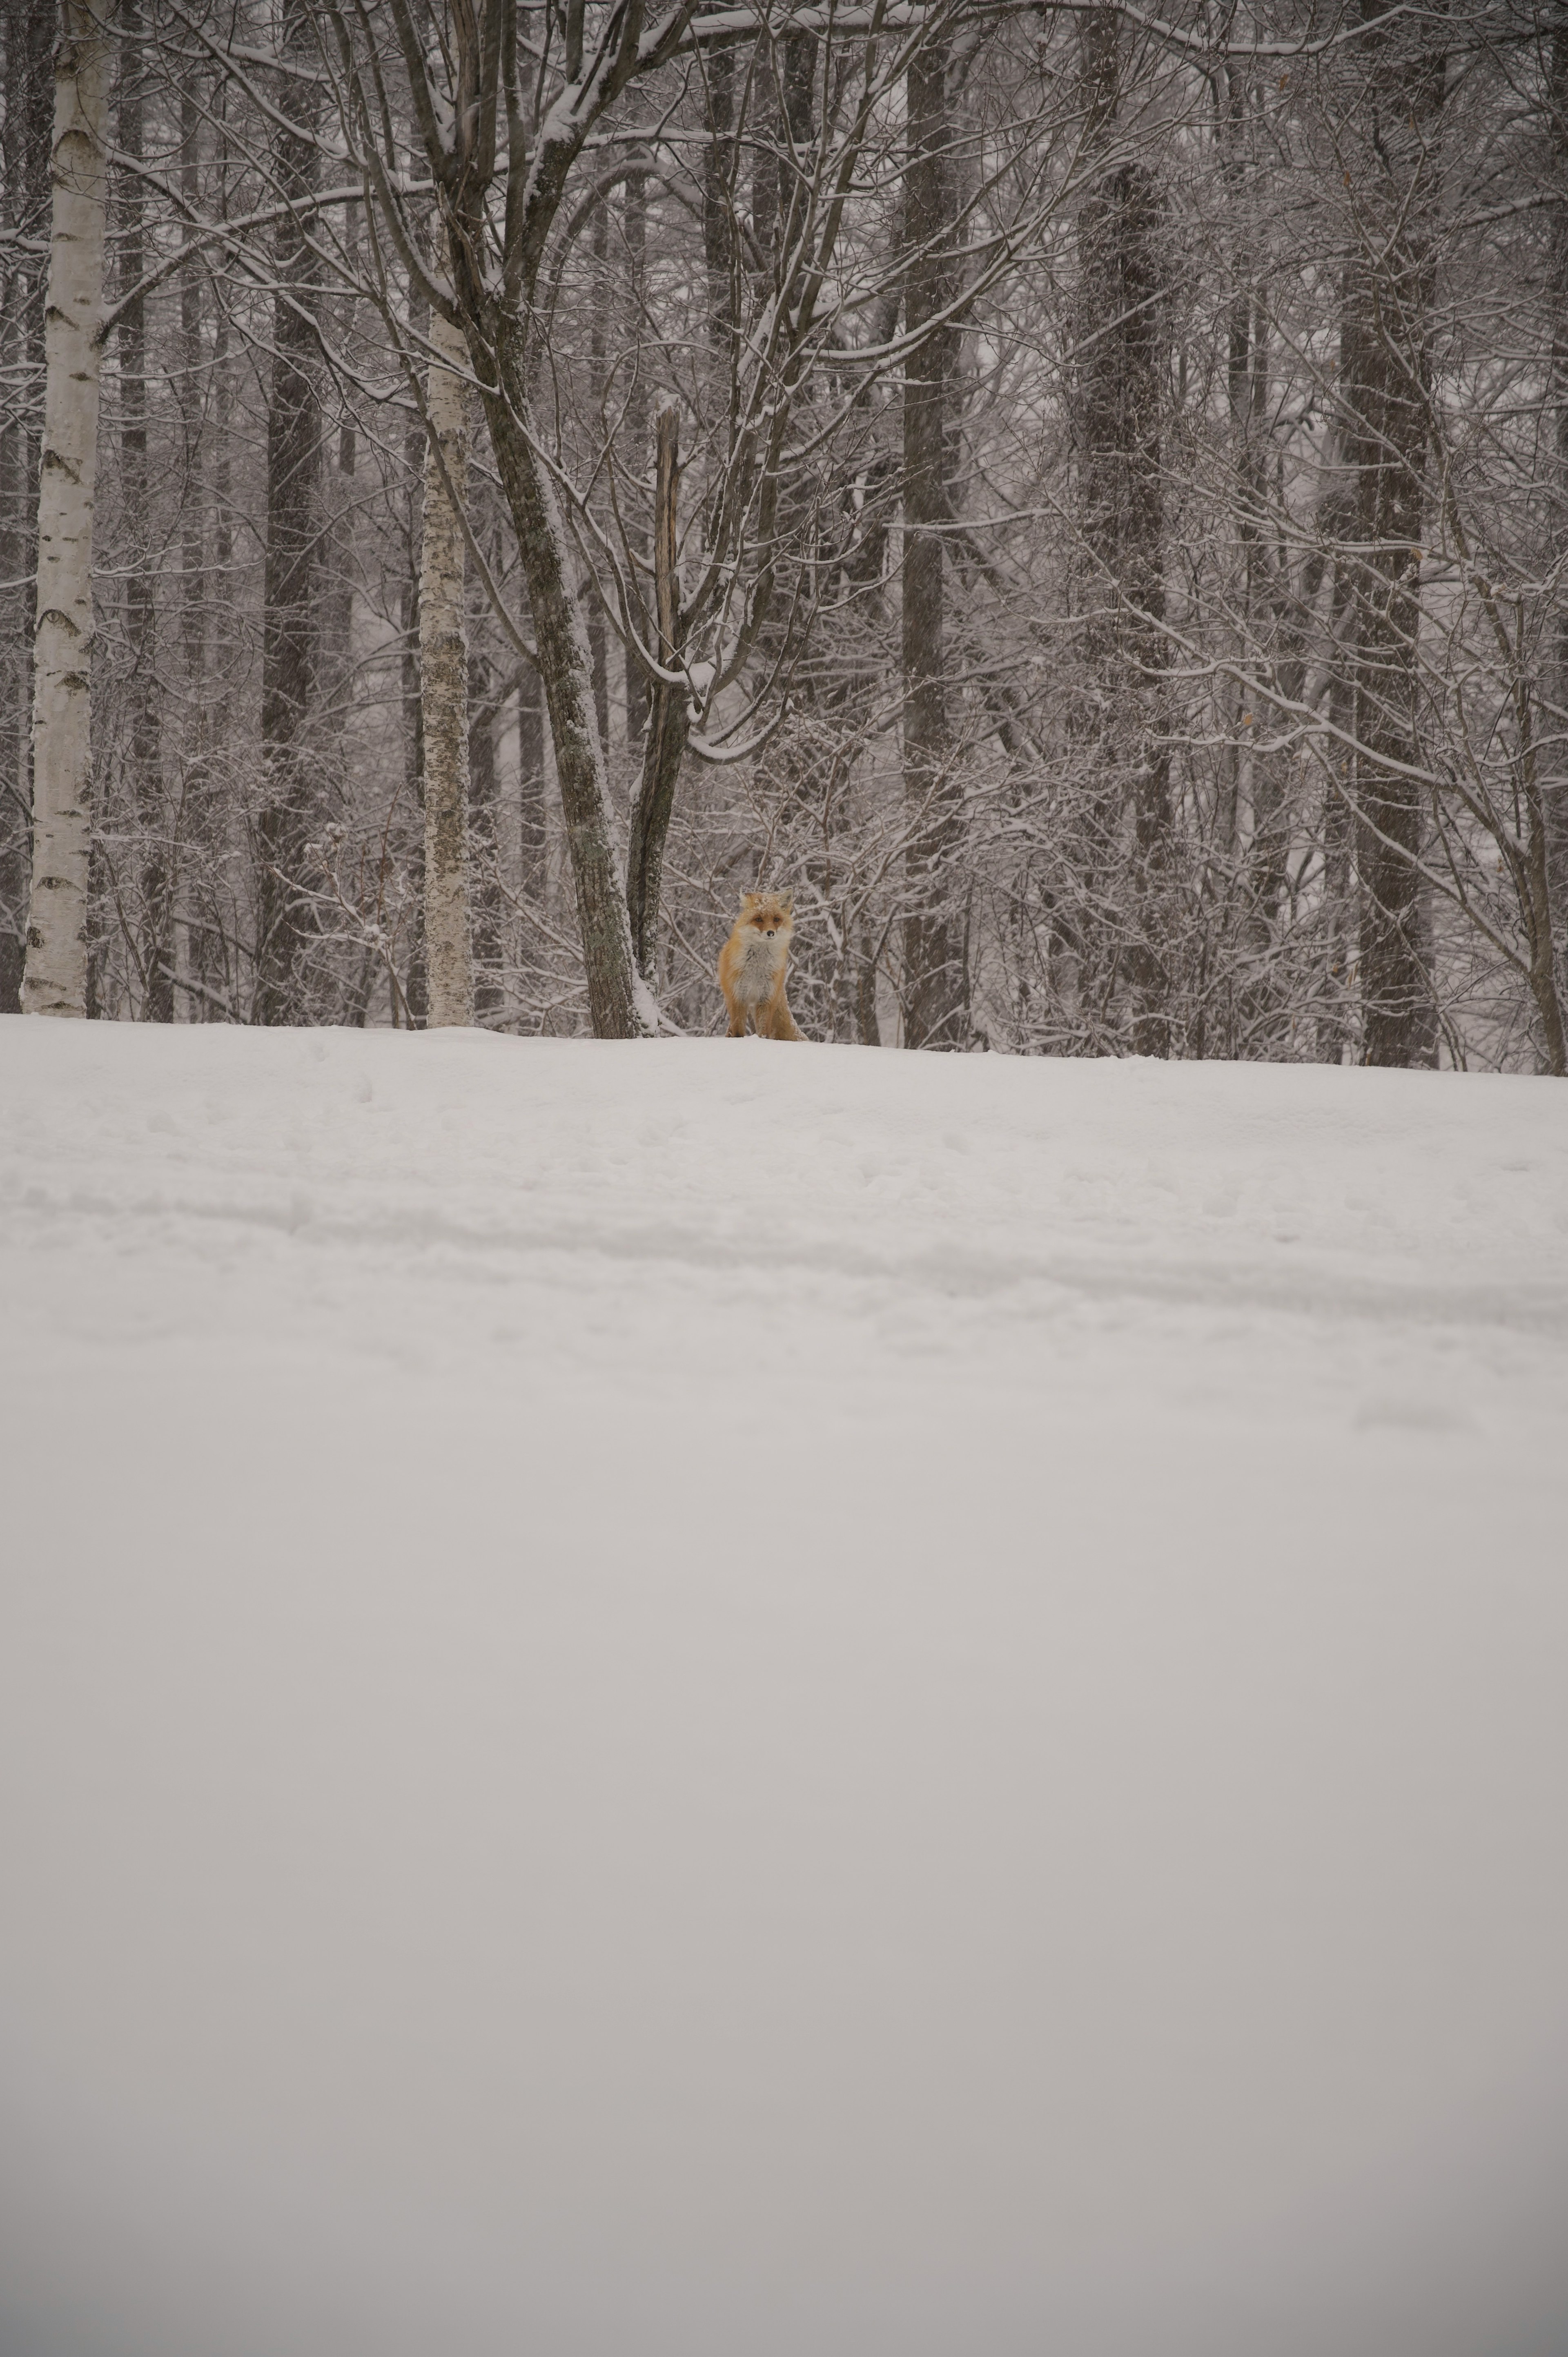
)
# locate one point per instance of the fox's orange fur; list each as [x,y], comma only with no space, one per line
[753,964]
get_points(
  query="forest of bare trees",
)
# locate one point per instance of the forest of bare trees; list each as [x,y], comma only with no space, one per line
[1078,493]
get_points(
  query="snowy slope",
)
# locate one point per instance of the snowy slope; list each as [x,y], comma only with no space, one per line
[718,1700]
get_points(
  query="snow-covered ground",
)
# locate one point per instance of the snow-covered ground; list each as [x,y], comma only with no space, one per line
[727,1700]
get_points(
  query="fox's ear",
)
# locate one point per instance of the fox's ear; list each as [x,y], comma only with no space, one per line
[787,902]
[750,899]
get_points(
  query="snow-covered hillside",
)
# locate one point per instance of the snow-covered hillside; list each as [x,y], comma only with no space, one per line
[722,1700]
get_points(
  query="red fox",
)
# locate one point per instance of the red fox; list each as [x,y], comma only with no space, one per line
[753,963]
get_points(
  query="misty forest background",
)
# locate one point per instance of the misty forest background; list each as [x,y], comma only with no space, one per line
[1080,495]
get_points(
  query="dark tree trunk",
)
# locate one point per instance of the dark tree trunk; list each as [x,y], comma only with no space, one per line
[29,34]
[415,994]
[193,807]
[15,564]
[782,116]
[1554,784]
[1121,395]
[799,124]
[1333,1022]
[192,551]
[220,633]
[865,1018]
[655,799]
[765,122]
[533,841]
[484,849]
[410,1004]
[634,430]
[598,345]
[1385,373]
[1247,388]
[338,533]
[143,752]
[213,960]
[936,990]
[718,206]
[294,506]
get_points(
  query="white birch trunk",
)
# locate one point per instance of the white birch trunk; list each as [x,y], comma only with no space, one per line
[55,978]
[444,691]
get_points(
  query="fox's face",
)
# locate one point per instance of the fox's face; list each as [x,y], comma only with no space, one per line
[771,913]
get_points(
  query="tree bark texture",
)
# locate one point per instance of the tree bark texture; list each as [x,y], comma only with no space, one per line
[768,115]
[1554,787]
[414,997]
[1120,398]
[867,1025]
[1246,388]
[1536,898]
[534,832]
[334,628]
[144,747]
[598,345]
[798,129]
[1334,1023]
[718,206]
[15,564]
[486,899]
[1385,373]
[55,980]
[634,424]
[29,35]
[669,722]
[444,690]
[192,546]
[293,507]
[936,987]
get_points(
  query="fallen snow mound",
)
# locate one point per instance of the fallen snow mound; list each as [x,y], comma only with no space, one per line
[725,1700]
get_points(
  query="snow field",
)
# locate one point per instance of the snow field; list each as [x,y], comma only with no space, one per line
[744,1701]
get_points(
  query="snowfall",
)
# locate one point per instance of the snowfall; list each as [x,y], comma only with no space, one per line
[720,1699]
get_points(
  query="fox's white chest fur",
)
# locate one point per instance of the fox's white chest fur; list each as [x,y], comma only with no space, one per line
[761,967]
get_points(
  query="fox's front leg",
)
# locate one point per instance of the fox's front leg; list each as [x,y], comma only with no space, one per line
[776,1020]
[736,1018]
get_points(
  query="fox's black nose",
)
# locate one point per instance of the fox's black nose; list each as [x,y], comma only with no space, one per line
[771,931]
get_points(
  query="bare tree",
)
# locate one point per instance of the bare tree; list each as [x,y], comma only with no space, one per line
[936,990]
[668,728]
[444,687]
[293,507]
[29,32]
[55,979]
[143,747]
[1554,763]
[1122,380]
[483,96]
[1387,133]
